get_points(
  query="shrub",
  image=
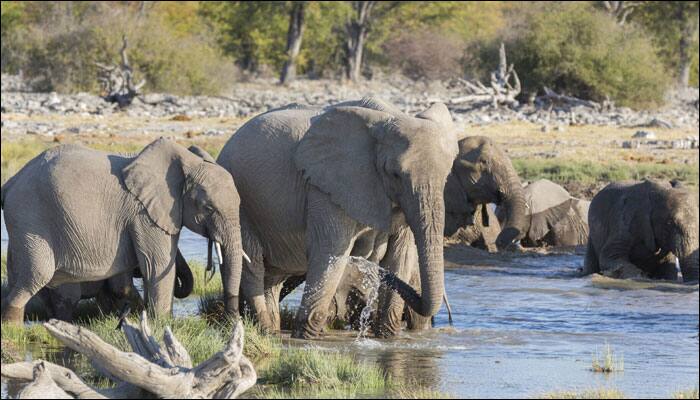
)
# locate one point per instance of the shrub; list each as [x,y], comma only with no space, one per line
[425,55]
[576,49]
[174,51]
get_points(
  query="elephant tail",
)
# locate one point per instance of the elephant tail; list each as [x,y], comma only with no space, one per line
[184,281]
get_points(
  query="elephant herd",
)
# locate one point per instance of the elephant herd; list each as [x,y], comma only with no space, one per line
[302,193]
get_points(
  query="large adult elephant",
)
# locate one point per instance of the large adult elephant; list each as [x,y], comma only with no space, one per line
[643,229]
[318,184]
[75,215]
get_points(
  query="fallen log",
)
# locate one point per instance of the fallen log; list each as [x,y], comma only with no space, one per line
[152,369]
[551,98]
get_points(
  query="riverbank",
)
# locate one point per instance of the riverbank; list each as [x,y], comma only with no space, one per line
[581,158]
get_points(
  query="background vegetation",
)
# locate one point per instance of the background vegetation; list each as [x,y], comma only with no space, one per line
[581,48]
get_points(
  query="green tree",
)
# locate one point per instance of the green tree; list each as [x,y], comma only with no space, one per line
[675,28]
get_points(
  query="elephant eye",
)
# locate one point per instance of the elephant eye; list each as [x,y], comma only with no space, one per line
[209,209]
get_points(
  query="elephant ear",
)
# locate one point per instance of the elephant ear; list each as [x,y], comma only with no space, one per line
[201,153]
[157,179]
[542,221]
[338,155]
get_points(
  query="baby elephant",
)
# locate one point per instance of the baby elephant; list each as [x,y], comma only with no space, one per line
[643,229]
[78,215]
[555,218]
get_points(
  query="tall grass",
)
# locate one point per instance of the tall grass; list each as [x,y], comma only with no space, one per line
[686,394]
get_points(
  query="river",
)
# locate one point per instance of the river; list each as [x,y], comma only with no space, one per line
[526,324]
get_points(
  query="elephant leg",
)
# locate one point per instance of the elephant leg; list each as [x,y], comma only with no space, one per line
[273,288]
[253,277]
[156,252]
[590,262]
[401,258]
[614,260]
[330,235]
[28,272]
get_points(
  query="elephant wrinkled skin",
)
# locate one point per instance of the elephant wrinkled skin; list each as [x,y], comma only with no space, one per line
[640,229]
[78,215]
[359,178]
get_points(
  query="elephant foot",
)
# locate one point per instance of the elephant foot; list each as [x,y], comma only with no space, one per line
[13,315]
[310,328]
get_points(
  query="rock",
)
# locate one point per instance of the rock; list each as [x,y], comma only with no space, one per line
[630,144]
[644,135]
[545,128]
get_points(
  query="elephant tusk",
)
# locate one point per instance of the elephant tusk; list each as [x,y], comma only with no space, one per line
[447,305]
[679,273]
[245,257]
[219,255]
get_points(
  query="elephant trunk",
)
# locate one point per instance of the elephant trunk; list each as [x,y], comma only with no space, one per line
[184,281]
[425,213]
[514,206]
[231,267]
[687,253]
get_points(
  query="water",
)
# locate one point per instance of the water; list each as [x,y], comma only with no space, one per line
[525,325]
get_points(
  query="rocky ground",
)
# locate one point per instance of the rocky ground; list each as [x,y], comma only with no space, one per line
[251,98]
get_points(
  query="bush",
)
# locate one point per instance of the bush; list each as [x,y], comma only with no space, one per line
[172,56]
[576,49]
[425,55]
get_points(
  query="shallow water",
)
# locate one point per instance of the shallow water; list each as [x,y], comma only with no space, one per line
[525,325]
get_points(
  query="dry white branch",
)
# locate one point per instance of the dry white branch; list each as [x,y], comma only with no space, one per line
[151,370]
[500,91]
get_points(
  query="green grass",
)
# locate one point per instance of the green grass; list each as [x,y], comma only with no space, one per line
[15,154]
[202,287]
[607,361]
[585,171]
[686,394]
[299,368]
[599,393]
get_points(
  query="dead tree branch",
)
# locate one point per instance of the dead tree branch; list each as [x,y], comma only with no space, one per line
[117,81]
[500,91]
[152,369]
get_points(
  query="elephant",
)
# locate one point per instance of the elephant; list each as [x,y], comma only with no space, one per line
[76,215]
[482,173]
[317,185]
[643,229]
[555,218]
[483,231]
[111,294]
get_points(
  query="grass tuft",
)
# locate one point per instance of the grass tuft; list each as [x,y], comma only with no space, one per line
[607,362]
[599,393]
[686,394]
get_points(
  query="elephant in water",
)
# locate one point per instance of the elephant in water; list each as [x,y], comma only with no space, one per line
[482,174]
[78,215]
[643,229]
[359,178]
[554,217]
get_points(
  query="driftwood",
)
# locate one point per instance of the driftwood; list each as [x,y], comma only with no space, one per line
[552,98]
[499,92]
[151,370]
[117,81]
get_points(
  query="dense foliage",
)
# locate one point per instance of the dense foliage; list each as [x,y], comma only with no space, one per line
[192,47]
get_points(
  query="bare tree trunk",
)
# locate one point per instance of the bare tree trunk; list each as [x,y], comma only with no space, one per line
[294,36]
[357,30]
[688,29]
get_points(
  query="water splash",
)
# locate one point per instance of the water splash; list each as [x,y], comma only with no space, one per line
[370,287]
